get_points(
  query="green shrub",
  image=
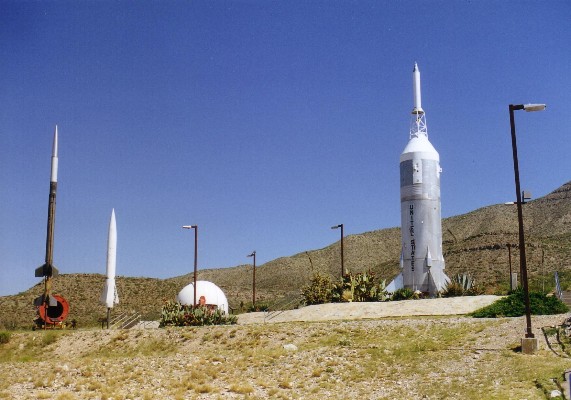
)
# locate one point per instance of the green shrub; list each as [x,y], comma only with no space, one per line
[403,294]
[318,291]
[176,314]
[4,337]
[49,337]
[513,306]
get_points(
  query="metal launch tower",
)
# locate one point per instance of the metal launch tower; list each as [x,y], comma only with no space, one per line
[422,262]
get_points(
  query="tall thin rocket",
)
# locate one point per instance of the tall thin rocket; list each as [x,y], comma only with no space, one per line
[109,296]
[48,270]
[422,261]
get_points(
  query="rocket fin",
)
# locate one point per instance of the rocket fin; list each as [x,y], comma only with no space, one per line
[39,301]
[428,257]
[46,270]
[396,284]
[109,296]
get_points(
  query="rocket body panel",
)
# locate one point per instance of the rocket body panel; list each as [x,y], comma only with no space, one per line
[112,247]
[421,224]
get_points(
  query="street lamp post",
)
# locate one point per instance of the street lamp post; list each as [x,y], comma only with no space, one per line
[522,259]
[342,258]
[253,280]
[195,227]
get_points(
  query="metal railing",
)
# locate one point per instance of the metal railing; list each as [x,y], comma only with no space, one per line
[125,320]
[278,308]
[558,291]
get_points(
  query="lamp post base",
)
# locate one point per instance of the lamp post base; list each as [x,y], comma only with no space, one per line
[528,345]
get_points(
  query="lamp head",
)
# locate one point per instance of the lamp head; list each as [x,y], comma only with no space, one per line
[534,107]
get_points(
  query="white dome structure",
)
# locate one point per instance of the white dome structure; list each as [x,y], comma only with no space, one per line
[213,295]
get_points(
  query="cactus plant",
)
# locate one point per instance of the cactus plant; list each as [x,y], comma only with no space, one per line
[359,287]
[462,285]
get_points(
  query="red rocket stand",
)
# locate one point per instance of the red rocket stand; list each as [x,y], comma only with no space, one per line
[54,315]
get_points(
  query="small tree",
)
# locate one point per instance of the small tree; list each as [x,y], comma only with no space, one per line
[318,291]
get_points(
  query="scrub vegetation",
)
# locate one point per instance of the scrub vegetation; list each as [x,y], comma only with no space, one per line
[366,287]
[176,314]
[4,337]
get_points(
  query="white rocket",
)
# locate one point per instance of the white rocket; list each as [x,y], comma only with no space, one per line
[422,262]
[109,296]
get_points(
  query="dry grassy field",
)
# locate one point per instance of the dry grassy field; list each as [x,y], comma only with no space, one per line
[398,358]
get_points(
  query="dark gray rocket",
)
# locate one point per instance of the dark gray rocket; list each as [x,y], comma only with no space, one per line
[48,270]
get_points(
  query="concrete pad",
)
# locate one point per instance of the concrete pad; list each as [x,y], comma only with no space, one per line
[529,345]
[353,311]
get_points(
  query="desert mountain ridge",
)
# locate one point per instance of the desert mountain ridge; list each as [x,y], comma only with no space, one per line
[474,243]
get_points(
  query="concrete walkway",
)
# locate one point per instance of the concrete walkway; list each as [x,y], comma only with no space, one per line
[352,311]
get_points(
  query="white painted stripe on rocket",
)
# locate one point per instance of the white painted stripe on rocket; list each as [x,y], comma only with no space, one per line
[54,158]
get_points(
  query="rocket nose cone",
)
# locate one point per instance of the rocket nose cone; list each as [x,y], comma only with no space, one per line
[112,222]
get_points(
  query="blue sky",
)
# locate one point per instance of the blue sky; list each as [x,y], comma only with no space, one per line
[264,122]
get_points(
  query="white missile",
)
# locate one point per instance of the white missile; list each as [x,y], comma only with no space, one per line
[109,296]
[416,90]
[422,262]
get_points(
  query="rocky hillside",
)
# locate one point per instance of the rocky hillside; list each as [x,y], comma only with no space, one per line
[474,243]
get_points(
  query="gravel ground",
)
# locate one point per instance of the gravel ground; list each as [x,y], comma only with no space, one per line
[341,354]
